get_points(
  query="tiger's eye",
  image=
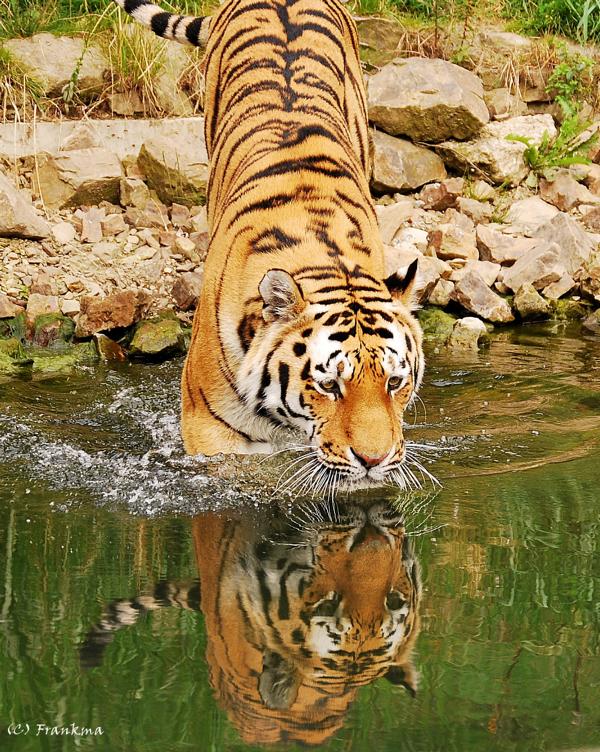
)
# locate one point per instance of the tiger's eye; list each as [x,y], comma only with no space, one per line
[330,385]
[394,382]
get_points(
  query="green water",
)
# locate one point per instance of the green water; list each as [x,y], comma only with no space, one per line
[98,503]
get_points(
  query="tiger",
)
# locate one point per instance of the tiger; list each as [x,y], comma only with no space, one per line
[297,327]
[299,611]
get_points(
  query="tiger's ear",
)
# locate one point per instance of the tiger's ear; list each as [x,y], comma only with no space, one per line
[404,675]
[278,683]
[402,289]
[281,296]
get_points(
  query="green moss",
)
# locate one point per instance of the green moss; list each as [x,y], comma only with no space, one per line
[567,309]
[15,327]
[53,327]
[161,337]
[64,359]
[436,323]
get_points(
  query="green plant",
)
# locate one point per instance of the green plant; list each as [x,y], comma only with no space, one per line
[570,80]
[19,89]
[570,147]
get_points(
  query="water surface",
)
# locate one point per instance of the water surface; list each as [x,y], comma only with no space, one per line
[99,508]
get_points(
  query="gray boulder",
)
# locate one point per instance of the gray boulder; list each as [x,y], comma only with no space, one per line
[177,176]
[18,218]
[493,154]
[52,61]
[78,177]
[539,267]
[473,294]
[399,165]
[575,245]
[427,100]
[529,304]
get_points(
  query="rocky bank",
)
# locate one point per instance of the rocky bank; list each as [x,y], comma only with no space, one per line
[103,231]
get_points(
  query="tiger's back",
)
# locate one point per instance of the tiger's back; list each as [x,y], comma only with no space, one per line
[286,132]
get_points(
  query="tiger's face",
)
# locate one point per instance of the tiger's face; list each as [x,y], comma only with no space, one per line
[340,359]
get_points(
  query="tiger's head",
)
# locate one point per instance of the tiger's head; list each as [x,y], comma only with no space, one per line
[336,353]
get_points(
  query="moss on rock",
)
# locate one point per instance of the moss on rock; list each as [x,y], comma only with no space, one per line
[436,323]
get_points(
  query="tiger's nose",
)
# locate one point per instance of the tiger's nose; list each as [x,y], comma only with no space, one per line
[366,460]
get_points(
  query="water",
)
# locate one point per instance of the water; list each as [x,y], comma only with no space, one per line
[106,527]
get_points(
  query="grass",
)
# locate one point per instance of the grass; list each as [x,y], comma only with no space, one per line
[20,91]
[140,63]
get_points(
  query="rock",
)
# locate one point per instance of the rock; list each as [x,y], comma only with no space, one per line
[18,218]
[154,215]
[529,304]
[126,103]
[199,220]
[426,100]
[47,361]
[51,328]
[487,270]
[592,322]
[69,307]
[533,86]
[91,231]
[475,210]
[82,137]
[7,308]
[442,293]
[569,309]
[12,356]
[398,258]
[492,154]
[436,324]
[78,178]
[109,350]
[113,224]
[167,91]
[43,284]
[473,294]
[499,248]
[540,267]
[186,290]
[592,178]
[453,240]
[467,334]
[392,217]
[565,192]
[52,61]
[112,312]
[575,245]
[502,104]
[159,337]
[181,216]
[134,192]
[399,165]
[40,305]
[429,271]
[588,277]
[529,214]
[442,196]
[556,290]
[591,219]
[504,41]
[481,191]
[176,176]
[63,233]
[379,33]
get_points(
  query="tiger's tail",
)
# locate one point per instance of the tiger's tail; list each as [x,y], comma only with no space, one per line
[191,30]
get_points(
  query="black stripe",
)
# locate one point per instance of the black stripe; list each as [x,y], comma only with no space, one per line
[220,419]
[159,23]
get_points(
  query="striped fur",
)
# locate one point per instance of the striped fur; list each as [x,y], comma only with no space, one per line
[296,622]
[296,325]
[183,29]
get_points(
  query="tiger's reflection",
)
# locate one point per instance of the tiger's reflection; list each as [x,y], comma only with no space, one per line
[299,614]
